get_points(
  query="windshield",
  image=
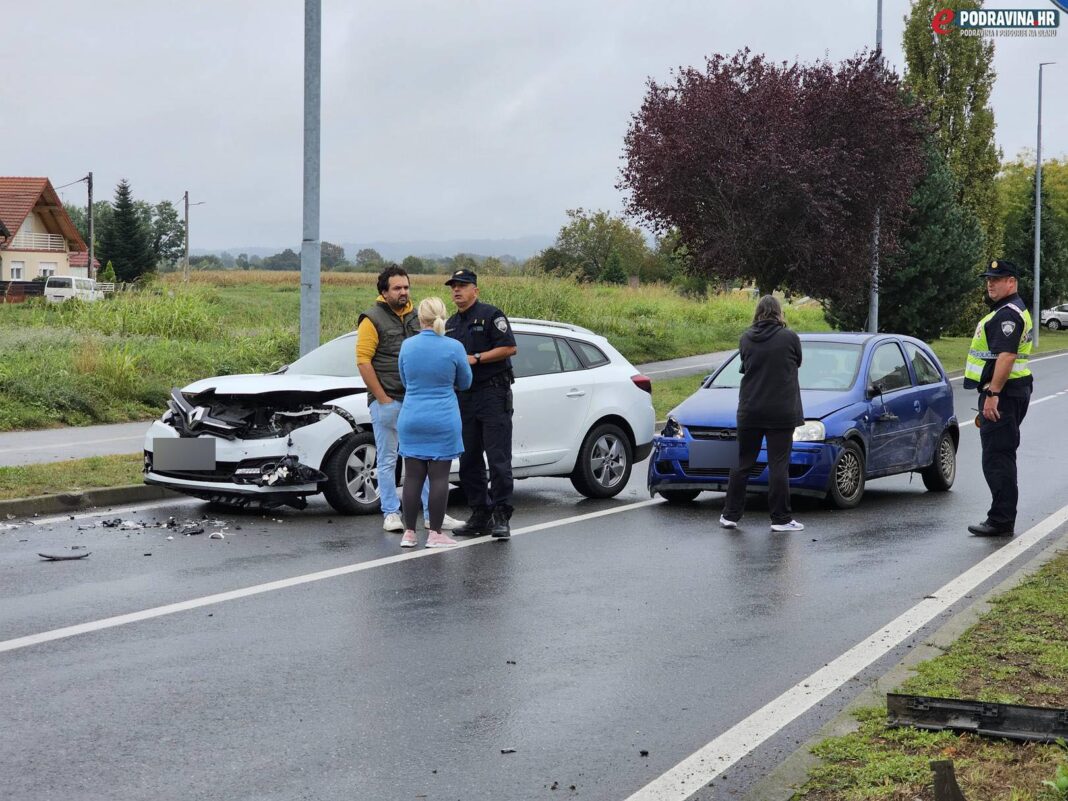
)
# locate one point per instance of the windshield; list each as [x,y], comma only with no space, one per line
[337,358]
[824,365]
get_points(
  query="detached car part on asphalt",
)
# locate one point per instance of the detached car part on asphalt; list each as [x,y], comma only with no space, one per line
[874,404]
[582,412]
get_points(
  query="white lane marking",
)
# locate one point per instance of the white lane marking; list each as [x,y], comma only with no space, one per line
[111,511]
[71,445]
[257,589]
[703,766]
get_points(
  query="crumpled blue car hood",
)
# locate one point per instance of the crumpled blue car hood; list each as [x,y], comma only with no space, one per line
[718,406]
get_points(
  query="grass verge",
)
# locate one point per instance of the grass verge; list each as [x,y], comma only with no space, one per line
[72,476]
[1016,653]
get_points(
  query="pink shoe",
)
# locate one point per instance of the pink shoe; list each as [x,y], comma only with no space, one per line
[437,539]
[409,540]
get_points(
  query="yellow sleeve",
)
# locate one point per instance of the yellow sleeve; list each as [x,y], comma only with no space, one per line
[366,341]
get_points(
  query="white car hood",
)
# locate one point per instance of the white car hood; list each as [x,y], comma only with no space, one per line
[263,383]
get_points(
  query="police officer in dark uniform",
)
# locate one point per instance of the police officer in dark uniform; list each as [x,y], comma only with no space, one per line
[997,366]
[485,408]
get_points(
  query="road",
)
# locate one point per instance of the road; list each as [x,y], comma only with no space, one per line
[606,643]
[61,444]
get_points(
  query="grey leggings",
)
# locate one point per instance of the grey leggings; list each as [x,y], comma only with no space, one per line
[415,473]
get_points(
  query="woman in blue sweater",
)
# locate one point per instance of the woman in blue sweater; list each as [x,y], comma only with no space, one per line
[432,368]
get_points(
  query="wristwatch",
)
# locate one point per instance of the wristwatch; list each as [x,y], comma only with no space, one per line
[478,358]
[991,394]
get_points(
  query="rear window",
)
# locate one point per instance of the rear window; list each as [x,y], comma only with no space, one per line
[591,355]
[58,282]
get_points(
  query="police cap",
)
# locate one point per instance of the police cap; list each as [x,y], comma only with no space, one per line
[999,268]
[462,277]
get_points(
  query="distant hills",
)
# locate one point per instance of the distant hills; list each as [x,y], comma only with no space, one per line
[520,248]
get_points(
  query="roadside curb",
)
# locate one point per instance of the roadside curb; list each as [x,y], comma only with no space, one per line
[74,501]
[781,783]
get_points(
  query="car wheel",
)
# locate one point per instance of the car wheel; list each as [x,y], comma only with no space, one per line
[1053,324]
[847,477]
[939,475]
[604,462]
[352,476]
[679,496]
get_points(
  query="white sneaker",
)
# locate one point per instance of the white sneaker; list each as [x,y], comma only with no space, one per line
[448,524]
[727,523]
[793,525]
[393,522]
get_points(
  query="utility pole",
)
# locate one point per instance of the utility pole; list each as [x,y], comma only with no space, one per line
[1036,315]
[873,299]
[185,264]
[311,248]
[92,247]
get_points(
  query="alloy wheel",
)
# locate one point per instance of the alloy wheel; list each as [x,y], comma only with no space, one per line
[361,474]
[608,459]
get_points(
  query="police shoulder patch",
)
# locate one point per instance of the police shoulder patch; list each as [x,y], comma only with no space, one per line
[1007,327]
[502,324]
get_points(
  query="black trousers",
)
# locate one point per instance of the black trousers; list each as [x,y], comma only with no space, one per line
[486,414]
[780,441]
[1000,439]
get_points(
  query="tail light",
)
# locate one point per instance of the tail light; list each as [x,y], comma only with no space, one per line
[643,382]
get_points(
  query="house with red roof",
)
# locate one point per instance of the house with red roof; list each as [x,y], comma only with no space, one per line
[37,236]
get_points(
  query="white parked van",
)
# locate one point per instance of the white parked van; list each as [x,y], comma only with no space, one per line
[59,288]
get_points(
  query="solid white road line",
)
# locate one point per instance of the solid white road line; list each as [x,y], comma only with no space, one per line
[697,770]
[258,589]
[76,444]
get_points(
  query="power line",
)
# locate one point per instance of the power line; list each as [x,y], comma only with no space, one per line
[72,183]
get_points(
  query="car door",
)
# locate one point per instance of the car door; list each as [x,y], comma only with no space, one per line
[936,397]
[897,413]
[551,397]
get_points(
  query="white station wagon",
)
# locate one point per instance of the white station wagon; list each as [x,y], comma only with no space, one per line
[582,412]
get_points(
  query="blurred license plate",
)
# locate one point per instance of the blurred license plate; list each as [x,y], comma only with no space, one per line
[183,454]
[716,453]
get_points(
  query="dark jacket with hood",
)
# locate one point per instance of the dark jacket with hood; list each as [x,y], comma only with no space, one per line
[770,396]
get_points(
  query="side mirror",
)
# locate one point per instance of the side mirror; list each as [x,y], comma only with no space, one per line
[874,389]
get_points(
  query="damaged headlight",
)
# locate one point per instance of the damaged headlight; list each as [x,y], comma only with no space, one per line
[284,422]
[810,431]
[672,429]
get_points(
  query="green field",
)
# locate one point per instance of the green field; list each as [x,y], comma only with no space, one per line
[115,361]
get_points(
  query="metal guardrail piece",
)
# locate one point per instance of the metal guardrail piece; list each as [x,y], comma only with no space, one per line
[1012,721]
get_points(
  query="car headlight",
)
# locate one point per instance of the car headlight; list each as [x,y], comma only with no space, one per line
[672,429]
[810,431]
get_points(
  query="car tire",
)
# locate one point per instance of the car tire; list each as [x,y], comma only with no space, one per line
[1053,324]
[679,496]
[352,476]
[939,475]
[847,477]
[604,462]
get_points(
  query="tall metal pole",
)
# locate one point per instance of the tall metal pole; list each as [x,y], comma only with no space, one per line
[873,298]
[310,248]
[1036,315]
[92,249]
[185,263]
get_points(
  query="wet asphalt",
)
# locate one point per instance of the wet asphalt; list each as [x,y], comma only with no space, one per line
[579,645]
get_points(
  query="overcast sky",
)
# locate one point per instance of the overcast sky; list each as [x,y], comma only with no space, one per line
[440,120]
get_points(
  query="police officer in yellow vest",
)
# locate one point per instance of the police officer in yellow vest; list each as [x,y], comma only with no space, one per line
[997,367]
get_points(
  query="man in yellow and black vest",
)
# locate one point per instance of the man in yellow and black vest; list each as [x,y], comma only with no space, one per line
[997,367]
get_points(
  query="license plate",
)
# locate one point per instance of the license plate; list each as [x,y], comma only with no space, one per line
[715,453]
[183,454]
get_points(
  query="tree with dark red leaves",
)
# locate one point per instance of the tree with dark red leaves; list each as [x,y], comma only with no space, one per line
[773,172]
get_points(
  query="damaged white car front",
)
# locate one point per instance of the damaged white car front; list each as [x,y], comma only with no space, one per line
[270,439]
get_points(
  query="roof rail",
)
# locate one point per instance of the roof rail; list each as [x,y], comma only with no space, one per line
[552,324]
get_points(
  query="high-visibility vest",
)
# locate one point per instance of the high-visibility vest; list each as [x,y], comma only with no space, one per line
[979,351]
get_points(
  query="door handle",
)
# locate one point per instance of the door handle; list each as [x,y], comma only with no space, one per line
[575,393]
[916,405]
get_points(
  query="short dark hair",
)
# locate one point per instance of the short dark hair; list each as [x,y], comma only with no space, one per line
[384,276]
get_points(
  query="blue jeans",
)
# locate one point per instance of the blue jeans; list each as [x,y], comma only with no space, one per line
[384,421]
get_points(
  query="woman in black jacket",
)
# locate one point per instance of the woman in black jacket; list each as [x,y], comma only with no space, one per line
[769,407]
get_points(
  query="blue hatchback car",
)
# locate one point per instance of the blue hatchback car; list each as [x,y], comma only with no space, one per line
[875,405]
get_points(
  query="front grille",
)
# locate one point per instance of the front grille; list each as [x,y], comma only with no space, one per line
[712,432]
[796,470]
[224,471]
